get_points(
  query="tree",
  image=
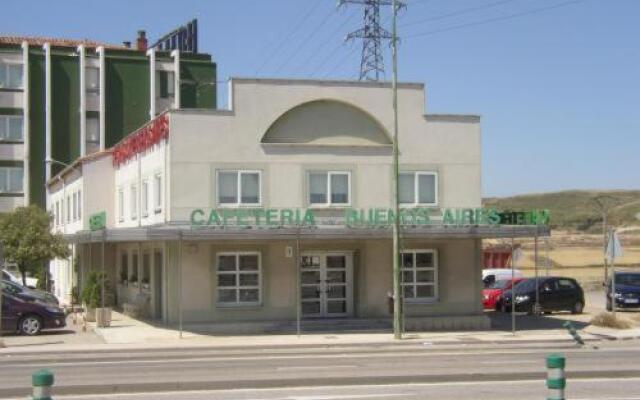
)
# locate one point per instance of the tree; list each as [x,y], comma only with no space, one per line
[27,239]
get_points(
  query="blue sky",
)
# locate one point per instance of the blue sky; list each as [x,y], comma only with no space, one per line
[558,90]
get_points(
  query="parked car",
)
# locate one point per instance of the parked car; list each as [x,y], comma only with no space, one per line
[31,282]
[491,294]
[555,294]
[490,275]
[627,293]
[29,317]
[30,294]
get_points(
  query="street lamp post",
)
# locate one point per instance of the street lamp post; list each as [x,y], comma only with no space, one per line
[397,292]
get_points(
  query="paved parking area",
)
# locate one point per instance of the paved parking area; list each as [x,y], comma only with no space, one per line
[72,334]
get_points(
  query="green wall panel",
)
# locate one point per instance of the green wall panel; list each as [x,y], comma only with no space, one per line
[198,89]
[127,97]
[37,128]
[65,106]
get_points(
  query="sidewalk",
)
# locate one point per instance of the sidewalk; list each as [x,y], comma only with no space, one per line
[129,333]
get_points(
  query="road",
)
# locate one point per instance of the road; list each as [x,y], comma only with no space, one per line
[415,370]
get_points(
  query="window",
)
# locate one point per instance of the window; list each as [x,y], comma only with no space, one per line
[157,200]
[11,179]
[239,188]
[79,205]
[133,274]
[144,202]
[57,216]
[75,206]
[418,188]
[419,274]
[166,84]
[134,202]
[93,130]
[93,79]
[238,278]
[146,268]
[68,209]
[10,76]
[11,127]
[124,268]
[330,188]
[120,205]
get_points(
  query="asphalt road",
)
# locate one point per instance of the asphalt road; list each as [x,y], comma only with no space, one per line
[330,372]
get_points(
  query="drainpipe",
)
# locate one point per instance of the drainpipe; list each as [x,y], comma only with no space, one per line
[47,108]
[103,80]
[26,125]
[152,83]
[176,78]
[83,101]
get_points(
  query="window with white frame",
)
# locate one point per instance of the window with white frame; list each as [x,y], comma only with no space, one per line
[79,205]
[93,79]
[11,179]
[157,198]
[121,205]
[329,188]
[57,216]
[93,130]
[11,127]
[419,274]
[144,199]
[75,206]
[165,84]
[68,209]
[239,188]
[133,202]
[418,188]
[10,76]
[238,278]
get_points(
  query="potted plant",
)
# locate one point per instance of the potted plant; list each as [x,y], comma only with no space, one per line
[92,297]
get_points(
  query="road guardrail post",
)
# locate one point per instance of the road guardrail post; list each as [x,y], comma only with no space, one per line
[42,381]
[556,381]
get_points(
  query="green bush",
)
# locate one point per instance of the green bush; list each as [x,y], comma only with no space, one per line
[92,291]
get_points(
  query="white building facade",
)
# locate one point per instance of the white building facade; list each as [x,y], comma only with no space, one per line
[279,210]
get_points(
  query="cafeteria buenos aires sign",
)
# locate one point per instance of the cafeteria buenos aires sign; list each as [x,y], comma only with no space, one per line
[359,217]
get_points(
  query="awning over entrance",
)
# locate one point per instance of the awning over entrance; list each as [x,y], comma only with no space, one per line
[205,233]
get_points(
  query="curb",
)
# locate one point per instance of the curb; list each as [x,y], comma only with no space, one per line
[151,387]
[114,348]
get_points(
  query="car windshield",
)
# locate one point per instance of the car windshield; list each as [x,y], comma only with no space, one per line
[628,279]
[10,287]
[501,284]
[526,285]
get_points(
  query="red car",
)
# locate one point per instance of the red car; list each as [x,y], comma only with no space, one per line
[492,293]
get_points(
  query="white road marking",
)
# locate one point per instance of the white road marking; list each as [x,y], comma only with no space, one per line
[316,367]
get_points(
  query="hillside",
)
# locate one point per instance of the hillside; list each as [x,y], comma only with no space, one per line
[576,209]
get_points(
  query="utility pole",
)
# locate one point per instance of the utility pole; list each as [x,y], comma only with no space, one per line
[372,33]
[604,203]
[397,288]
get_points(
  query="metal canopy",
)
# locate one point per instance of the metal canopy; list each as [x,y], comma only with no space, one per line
[188,233]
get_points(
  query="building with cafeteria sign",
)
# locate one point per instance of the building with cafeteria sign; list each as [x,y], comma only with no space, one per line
[280,209]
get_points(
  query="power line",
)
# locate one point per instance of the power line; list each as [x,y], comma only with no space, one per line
[326,42]
[495,19]
[286,38]
[340,62]
[457,13]
[304,42]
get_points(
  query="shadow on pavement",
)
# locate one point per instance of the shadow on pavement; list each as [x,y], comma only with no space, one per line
[502,321]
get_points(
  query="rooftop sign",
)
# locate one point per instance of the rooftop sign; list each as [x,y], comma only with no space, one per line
[369,217]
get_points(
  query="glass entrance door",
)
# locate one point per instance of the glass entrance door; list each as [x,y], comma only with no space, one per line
[326,284]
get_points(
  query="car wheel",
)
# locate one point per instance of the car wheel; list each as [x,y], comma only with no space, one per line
[503,307]
[577,308]
[30,325]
